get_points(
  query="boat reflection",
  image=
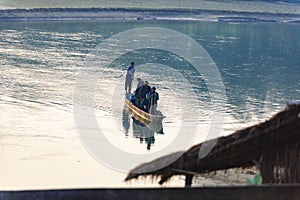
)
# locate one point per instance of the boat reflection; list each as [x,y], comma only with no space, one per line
[145,132]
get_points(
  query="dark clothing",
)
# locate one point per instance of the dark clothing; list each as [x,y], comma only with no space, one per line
[145,89]
[145,105]
[138,92]
[154,97]
[140,84]
[138,96]
[132,100]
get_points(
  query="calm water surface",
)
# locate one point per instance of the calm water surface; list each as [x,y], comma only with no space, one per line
[40,147]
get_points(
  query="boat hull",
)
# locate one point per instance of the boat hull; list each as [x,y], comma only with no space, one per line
[146,118]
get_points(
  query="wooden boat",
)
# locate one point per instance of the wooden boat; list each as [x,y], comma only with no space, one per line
[142,116]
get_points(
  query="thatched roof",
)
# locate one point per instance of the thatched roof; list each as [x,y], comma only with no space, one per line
[243,148]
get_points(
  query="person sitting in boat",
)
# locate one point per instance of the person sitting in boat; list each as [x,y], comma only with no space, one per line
[145,89]
[154,97]
[132,99]
[145,103]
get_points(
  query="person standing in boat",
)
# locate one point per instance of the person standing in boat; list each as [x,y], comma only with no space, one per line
[138,91]
[145,104]
[154,97]
[145,89]
[140,83]
[129,77]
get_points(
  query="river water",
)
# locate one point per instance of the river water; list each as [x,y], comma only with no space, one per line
[41,141]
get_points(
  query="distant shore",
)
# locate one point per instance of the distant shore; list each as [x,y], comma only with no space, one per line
[259,6]
[54,14]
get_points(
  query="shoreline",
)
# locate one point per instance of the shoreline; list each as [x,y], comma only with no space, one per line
[77,14]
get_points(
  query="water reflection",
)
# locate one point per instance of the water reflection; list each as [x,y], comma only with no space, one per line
[141,130]
[125,121]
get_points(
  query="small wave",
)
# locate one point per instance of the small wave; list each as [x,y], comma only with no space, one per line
[29,103]
[244,19]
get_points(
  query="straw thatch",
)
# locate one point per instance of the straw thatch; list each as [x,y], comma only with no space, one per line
[273,146]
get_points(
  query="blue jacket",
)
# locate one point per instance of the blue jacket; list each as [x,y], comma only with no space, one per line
[145,105]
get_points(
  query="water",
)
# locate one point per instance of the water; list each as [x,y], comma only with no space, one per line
[40,145]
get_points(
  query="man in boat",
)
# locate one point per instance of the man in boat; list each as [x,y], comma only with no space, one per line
[132,99]
[154,97]
[138,92]
[145,103]
[145,89]
[129,77]
[140,83]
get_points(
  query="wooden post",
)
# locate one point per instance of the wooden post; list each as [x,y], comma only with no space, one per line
[188,180]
